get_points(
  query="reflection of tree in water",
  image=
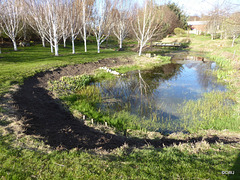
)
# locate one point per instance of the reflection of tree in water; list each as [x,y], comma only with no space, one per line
[134,93]
[158,75]
[138,92]
[205,78]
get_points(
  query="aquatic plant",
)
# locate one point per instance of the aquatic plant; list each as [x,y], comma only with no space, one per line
[69,84]
[214,110]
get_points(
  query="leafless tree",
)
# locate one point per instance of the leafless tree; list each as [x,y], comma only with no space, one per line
[101,21]
[170,19]
[53,19]
[121,17]
[36,18]
[214,23]
[232,27]
[65,22]
[74,22]
[145,23]
[86,7]
[216,18]
[10,15]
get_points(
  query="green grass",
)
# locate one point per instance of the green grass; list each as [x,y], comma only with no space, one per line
[214,110]
[226,71]
[86,100]
[125,69]
[101,75]
[68,85]
[189,161]
[228,59]
[148,64]
[17,66]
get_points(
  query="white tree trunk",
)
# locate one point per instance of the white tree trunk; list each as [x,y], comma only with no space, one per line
[73,45]
[120,39]
[140,50]
[51,45]
[98,46]
[51,48]
[56,47]
[51,40]
[64,40]
[85,44]
[120,44]
[55,39]
[234,38]
[14,45]
[84,26]
[43,41]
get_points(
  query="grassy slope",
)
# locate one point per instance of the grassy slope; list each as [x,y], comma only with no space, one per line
[15,66]
[229,59]
[199,161]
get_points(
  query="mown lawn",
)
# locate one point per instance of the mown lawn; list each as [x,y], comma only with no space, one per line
[16,66]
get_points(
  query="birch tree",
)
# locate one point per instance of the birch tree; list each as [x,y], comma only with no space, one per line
[53,21]
[86,12]
[233,27]
[213,25]
[65,22]
[101,21]
[36,19]
[74,22]
[145,23]
[216,19]
[10,15]
[121,17]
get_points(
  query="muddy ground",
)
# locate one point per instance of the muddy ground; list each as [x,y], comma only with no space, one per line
[44,116]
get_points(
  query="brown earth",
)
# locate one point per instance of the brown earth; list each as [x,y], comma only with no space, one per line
[44,116]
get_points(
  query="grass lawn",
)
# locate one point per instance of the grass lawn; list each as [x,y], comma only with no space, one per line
[16,66]
[200,160]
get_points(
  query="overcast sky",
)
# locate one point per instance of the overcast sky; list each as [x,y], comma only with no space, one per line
[198,7]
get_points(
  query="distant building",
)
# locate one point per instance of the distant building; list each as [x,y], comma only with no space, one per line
[194,18]
[198,27]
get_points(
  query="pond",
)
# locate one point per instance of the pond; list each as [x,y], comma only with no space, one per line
[155,95]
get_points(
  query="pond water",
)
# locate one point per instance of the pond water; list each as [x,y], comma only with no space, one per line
[154,95]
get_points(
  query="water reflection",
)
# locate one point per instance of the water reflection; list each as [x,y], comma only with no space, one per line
[153,95]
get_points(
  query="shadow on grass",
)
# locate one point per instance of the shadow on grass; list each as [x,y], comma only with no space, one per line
[4,123]
[235,169]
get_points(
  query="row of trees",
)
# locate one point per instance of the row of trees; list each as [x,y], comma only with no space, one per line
[223,22]
[55,20]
